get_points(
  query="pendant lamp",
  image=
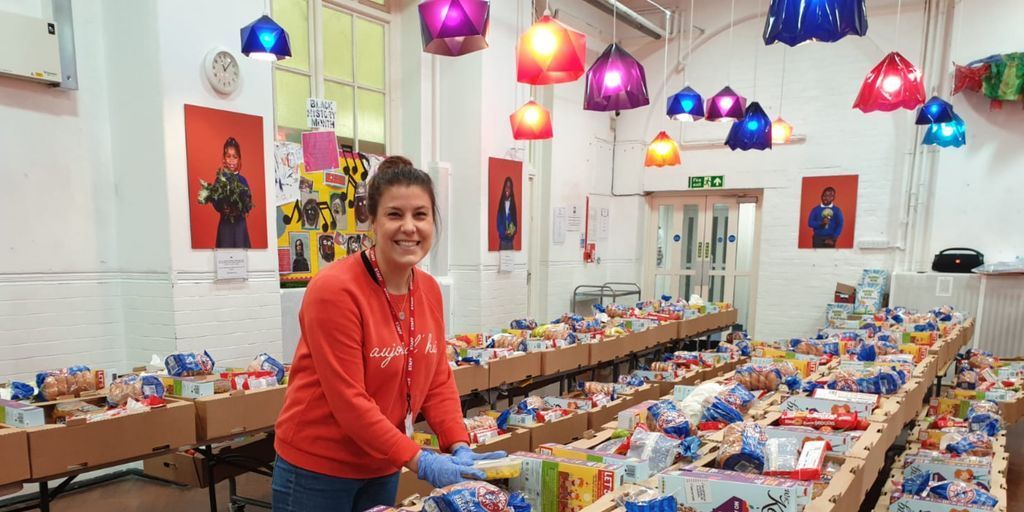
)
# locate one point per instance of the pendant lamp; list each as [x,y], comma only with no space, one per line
[754,131]
[264,39]
[952,134]
[726,106]
[685,105]
[935,110]
[793,22]
[454,27]
[615,81]
[662,151]
[550,53]
[781,131]
[531,122]
[894,83]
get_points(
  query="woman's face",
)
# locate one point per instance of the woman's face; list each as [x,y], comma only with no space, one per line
[231,159]
[404,225]
[508,189]
[298,248]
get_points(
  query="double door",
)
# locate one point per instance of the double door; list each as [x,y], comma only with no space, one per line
[704,245]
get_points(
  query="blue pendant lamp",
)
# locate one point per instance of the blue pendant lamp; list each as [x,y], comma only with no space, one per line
[793,22]
[952,134]
[935,110]
[686,105]
[264,39]
[753,131]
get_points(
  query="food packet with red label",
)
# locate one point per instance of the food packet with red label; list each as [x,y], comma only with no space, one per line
[821,420]
[947,421]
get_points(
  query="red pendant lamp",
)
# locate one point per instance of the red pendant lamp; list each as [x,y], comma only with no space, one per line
[550,53]
[662,151]
[893,84]
[531,122]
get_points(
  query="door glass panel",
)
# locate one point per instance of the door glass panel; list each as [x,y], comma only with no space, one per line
[662,285]
[745,237]
[664,233]
[741,300]
[716,289]
[687,255]
[685,282]
[719,232]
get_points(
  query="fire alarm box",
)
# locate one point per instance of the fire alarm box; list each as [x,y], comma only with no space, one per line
[590,252]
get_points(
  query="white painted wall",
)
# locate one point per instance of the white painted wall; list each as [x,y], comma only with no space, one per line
[975,200]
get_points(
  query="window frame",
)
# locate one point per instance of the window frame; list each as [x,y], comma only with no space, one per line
[365,10]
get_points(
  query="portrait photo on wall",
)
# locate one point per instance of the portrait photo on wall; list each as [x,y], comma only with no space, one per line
[828,212]
[504,200]
[226,179]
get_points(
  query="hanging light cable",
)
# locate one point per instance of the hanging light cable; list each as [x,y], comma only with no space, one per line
[781,130]
[687,104]
[663,150]
[726,105]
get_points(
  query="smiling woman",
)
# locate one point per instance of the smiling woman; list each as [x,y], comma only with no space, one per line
[368,362]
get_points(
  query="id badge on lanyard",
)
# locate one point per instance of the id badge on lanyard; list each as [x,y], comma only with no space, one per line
[398,329]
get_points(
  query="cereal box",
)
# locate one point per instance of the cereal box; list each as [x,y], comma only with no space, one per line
[635,470]
[553,484]
[712,490]
[965,468]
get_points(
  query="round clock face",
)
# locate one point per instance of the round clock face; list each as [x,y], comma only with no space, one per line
[222,71]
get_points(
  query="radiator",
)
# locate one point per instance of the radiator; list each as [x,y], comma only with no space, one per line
[996,302]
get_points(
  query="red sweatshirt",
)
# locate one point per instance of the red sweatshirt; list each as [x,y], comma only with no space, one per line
[344,414]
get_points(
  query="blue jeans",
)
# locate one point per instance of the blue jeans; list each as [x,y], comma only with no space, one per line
[298,490]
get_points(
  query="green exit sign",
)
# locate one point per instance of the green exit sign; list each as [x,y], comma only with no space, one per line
[707,181]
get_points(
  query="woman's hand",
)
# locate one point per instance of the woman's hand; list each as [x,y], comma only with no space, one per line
[442,470]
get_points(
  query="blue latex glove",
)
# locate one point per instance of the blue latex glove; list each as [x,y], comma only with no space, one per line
[464,456]
[442,470]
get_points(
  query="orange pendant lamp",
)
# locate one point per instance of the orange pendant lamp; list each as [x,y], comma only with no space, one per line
[662,151]
[531,122]
[550,53]
[781,131]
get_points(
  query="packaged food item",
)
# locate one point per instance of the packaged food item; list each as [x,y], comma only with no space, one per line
[507,341]
[758,377]
[500,469]
[523,323]
[189,364]
[658,449]
[984,416]
[65,411]
[598,388]
[737,396]
[823,420]
[474,496]
[976,444]
[666,417]
[967,379]
[742,448]
[72,381]
[716,409]
[21,391]
[946,421]
[136,387]
[648,500]
[780,456]
[264,362]
[961,493]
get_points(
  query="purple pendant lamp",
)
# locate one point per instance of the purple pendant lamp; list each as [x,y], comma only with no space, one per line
[454,27]
[616,81]
[726,106]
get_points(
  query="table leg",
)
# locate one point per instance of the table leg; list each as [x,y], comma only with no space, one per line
[211,485]
[44,496]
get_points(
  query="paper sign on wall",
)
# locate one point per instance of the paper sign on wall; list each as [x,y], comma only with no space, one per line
[320,113]
[603,221]
[505,261]
[230,264]
[558,225]
[574,220]
[319,151]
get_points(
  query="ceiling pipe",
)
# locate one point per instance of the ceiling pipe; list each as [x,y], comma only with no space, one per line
[630,17]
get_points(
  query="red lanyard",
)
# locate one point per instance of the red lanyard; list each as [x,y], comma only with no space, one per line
[398,324]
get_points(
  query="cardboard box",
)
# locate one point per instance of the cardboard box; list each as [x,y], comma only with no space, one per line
[643,393]
[238,412]
[562,431]
[471,378]
[515,440]
[610,349]
[190,468]
[61,449]
[564,359]
[638,341]
[513,369]
[21,415]
[845,294]
[410,485]
[608,412]
[14,447]
[909,503]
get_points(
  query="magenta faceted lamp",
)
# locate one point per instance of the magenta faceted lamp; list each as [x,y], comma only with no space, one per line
[550,53]
[894,83]
[726,106]
[615,81]
[454,27]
